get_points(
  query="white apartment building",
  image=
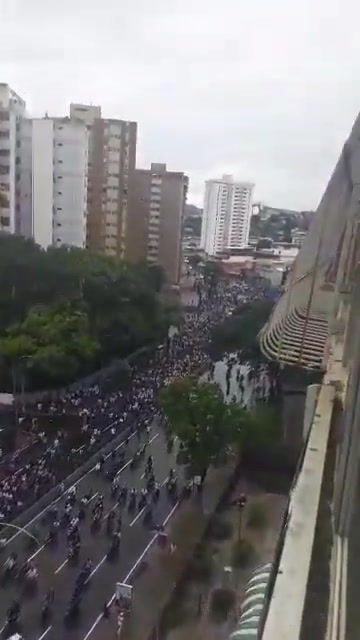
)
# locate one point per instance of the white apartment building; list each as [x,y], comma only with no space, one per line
[53,181]
[12,110]
[227,214]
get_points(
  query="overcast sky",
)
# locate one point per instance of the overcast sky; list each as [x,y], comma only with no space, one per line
[264,89]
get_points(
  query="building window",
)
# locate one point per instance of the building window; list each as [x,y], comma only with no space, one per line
[5,221]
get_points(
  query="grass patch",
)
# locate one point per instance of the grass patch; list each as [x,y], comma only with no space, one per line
[257,516]
[220,528]
[242,554]
[222,602]
[201,566]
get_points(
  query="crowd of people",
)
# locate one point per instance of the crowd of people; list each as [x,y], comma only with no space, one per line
[105,415]
[69,520]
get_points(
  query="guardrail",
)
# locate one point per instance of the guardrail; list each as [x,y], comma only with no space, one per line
[92,378]
[51,495]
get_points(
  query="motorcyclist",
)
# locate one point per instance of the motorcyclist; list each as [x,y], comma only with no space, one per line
[11,561]
[14,611]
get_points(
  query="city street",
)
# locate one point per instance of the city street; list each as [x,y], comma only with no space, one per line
[56,572]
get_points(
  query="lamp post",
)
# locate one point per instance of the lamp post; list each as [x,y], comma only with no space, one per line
[25,359]
[240,502]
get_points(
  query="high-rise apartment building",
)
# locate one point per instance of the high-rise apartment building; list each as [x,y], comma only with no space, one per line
[112,156]
[156,210]
[227,214]
[52,184]
[12,110]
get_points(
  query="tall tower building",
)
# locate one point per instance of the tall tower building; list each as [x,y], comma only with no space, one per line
[52,185]
[227,214]
[156,212]
[12,110]
[112,156]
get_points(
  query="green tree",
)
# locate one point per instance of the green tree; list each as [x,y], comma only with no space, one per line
[240,331]
[206,425]
[50,346]
[113,305]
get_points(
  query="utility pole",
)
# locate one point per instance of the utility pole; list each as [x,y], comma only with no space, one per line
[240,503]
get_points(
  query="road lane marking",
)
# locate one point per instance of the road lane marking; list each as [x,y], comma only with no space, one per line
[93,497]
[143,509]
[61,566]
[140,558]
[138,516]
[94,625]
[13,537]
[110,510]
[45,633]
[95,569]
[36,552]
[122,468]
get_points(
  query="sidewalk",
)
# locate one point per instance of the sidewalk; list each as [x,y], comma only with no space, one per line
[153,589]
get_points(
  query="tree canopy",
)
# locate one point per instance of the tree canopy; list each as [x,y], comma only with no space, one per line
[239,332]
[205,424]
[67,311]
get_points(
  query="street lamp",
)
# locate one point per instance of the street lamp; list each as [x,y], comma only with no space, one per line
[240,503]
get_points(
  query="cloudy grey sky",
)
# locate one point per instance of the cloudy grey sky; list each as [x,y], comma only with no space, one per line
[264,89]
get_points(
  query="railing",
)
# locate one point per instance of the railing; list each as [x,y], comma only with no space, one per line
[288,586]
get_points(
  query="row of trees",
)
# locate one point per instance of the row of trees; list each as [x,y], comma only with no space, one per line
[67,311]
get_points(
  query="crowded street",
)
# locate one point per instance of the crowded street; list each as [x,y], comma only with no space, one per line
[96,532]
[79,532]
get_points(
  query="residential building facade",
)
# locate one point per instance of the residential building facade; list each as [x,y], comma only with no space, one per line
[156,211]
[227,214]
[53,181]
[12,110]
[112,157]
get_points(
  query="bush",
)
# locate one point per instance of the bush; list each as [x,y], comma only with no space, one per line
[220,529]
[242,554]
[201,566]
[257,516]
[222,602]
[173,617]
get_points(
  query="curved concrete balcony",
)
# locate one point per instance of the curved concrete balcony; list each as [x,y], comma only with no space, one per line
[298,330]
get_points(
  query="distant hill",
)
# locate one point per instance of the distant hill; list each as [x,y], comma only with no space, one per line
[193,212]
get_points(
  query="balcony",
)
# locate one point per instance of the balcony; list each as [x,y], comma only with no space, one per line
[314,588]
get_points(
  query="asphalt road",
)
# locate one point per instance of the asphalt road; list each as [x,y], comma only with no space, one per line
[56,572]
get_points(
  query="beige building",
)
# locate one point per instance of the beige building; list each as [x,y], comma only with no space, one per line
[112,156]
[156,209]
